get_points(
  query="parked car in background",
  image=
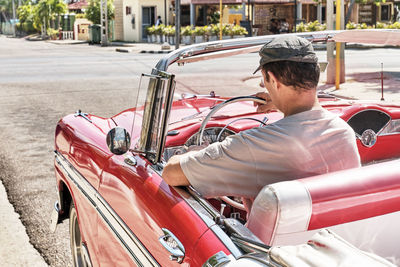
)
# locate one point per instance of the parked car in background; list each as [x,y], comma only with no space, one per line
[122,213]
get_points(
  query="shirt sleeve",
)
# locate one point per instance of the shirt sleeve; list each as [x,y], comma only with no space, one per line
[221,169]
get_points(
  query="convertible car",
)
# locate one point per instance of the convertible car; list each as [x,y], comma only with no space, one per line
[122,213]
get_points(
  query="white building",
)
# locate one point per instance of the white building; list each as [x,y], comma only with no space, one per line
[132,17]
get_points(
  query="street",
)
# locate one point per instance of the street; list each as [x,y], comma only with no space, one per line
[41,82]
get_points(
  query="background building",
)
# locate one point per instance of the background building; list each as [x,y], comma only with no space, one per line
[132,17]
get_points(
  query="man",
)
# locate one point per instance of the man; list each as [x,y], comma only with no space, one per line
[307,141]
[158,21]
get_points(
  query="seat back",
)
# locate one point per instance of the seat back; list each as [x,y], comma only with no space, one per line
[362,205]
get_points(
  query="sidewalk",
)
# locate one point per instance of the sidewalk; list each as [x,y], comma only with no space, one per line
[13,238]
[124,47]
[366,86]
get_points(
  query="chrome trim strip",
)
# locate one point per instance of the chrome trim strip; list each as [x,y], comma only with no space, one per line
[139,254]
[387,125]
[387,134]
[217,260]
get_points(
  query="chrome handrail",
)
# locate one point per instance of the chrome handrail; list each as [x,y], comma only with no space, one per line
[217,46]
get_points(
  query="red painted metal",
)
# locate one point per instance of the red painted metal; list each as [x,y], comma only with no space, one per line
[207,245]
[354,194]
[146,204]
[138,195]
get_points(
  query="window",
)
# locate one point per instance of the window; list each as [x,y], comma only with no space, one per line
[385,12]
[128,10]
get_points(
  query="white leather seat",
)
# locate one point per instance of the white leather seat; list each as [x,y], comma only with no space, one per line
[361,205]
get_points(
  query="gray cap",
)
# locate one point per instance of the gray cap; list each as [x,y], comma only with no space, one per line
[287,47]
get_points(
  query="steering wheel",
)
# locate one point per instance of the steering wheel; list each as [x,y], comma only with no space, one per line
[226,199]
[223,104]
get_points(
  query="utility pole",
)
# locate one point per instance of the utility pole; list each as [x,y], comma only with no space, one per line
[165,12]
[295,16]
[14,22]
[220,19]
[177,23]
[104,22]
[336,66]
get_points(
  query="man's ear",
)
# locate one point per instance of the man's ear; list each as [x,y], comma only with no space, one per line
[273,80]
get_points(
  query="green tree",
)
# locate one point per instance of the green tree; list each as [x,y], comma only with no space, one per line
[93,11]
[41,17]
[46,12]
[57,8]
[26,18]
[5,9]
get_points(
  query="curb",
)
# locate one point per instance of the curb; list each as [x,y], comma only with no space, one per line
[122,50]
[156,51]
[125,50]
[66,42]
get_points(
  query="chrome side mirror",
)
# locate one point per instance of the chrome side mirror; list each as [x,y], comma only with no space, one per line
[118,141]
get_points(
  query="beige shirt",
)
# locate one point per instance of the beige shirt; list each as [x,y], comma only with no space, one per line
[301,145]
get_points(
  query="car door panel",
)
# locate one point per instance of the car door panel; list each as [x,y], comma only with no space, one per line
[146,204]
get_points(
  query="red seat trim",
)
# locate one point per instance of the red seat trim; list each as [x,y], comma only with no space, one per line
[354,194]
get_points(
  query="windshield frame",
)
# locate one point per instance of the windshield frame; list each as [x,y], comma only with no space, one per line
[159,96]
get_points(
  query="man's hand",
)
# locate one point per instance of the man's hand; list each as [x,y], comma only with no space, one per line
[264,108]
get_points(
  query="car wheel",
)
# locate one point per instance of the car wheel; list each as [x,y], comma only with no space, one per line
[78,249]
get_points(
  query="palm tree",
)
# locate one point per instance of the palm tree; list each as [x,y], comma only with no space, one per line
[5,9]
[57,8]
[42,16]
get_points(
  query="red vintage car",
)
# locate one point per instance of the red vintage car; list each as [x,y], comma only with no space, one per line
[122,213]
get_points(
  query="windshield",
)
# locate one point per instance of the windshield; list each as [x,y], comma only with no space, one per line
[152,104]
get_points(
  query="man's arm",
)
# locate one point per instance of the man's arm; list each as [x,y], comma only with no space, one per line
[173,173]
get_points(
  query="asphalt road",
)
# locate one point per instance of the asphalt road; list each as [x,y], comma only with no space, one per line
[41,82]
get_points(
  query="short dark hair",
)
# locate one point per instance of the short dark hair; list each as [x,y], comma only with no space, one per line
[300,75]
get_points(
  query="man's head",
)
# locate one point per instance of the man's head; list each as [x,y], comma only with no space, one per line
[292,61]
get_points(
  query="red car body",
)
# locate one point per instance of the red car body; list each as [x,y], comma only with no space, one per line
[124,208]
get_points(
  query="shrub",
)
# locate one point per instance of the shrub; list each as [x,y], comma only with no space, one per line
[214,29]
[381,25]
[151,30]
[186,31]
[52,33]
[351,26]
[80,16]
[158,30]
[300,27]
[200,31]
[239,30]
[227,29]
[169,30]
